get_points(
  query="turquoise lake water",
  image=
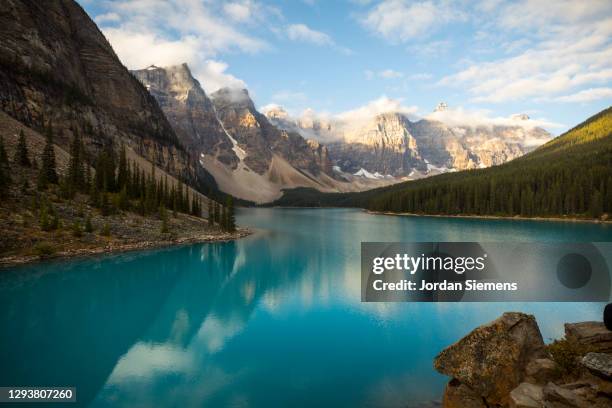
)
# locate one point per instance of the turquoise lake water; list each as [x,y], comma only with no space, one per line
[271,320]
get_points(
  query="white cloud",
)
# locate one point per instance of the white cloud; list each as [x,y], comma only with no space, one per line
[534,13]
[384,74]
[376,107]
[430,48]
[271,107]
[301,32]
[478,118]
[420,76]
[587,95]
[288,96]
[214,76]
[238,11]
[169,32]
[390,74]
[107,18]
[563,47]
[402,20]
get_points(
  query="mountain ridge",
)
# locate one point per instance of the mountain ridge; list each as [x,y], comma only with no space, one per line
[390,143]
[570,176]
[238,146]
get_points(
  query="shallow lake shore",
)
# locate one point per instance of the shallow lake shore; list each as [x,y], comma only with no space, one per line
[115,247]
[494,217]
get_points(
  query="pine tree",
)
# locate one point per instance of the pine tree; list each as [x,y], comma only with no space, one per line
[105,208]
[87,176]
[77,231]
[596,205]
[106,230]
[179,198]
[231,218]
[48,173]
[44,217]
[216,212]
[105,170]
[76,178]
[123,201]
[22,157]
[223,219]
[122,173]
[94,195]
[173,202]
[5,174]
[88,226]
[211,215]
[164,218]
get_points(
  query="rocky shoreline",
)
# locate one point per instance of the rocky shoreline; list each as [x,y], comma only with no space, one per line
[505,363]
[115,247]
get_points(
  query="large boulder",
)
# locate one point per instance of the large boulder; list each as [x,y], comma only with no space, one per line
[593,335]
[526,395]
[492,359]
[541,371]
[457,395]
[599,364]
[560,397]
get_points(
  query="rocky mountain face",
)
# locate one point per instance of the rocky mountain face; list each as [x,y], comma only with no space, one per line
[391,145]
[189,110]
[57,67]
[247,155]
[261,140]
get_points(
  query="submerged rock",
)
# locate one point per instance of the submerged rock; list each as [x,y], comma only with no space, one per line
[594,335]
[493,358]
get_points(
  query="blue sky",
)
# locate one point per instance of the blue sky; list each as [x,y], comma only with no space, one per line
[487,59]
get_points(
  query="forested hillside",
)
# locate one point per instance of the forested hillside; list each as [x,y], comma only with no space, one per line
[569,176]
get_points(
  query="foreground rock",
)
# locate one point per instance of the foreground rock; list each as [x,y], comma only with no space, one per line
[492,359]
[526,395]
[458,395]
[595,335]
[599,364]
[505,363]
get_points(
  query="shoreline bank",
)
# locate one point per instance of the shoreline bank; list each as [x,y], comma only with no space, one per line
[494,217]
[116,248]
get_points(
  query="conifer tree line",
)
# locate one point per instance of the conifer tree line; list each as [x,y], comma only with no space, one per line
[223,216]
[5,171]
[117,183]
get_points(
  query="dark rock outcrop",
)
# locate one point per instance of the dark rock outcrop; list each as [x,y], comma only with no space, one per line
[57,67]
[558,397]
[458,395]
[526,395]
[492,359]
[599,364]
[594,335]
[505,364]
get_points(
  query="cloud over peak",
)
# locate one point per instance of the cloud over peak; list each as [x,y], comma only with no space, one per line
[402,20]
[301,32]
